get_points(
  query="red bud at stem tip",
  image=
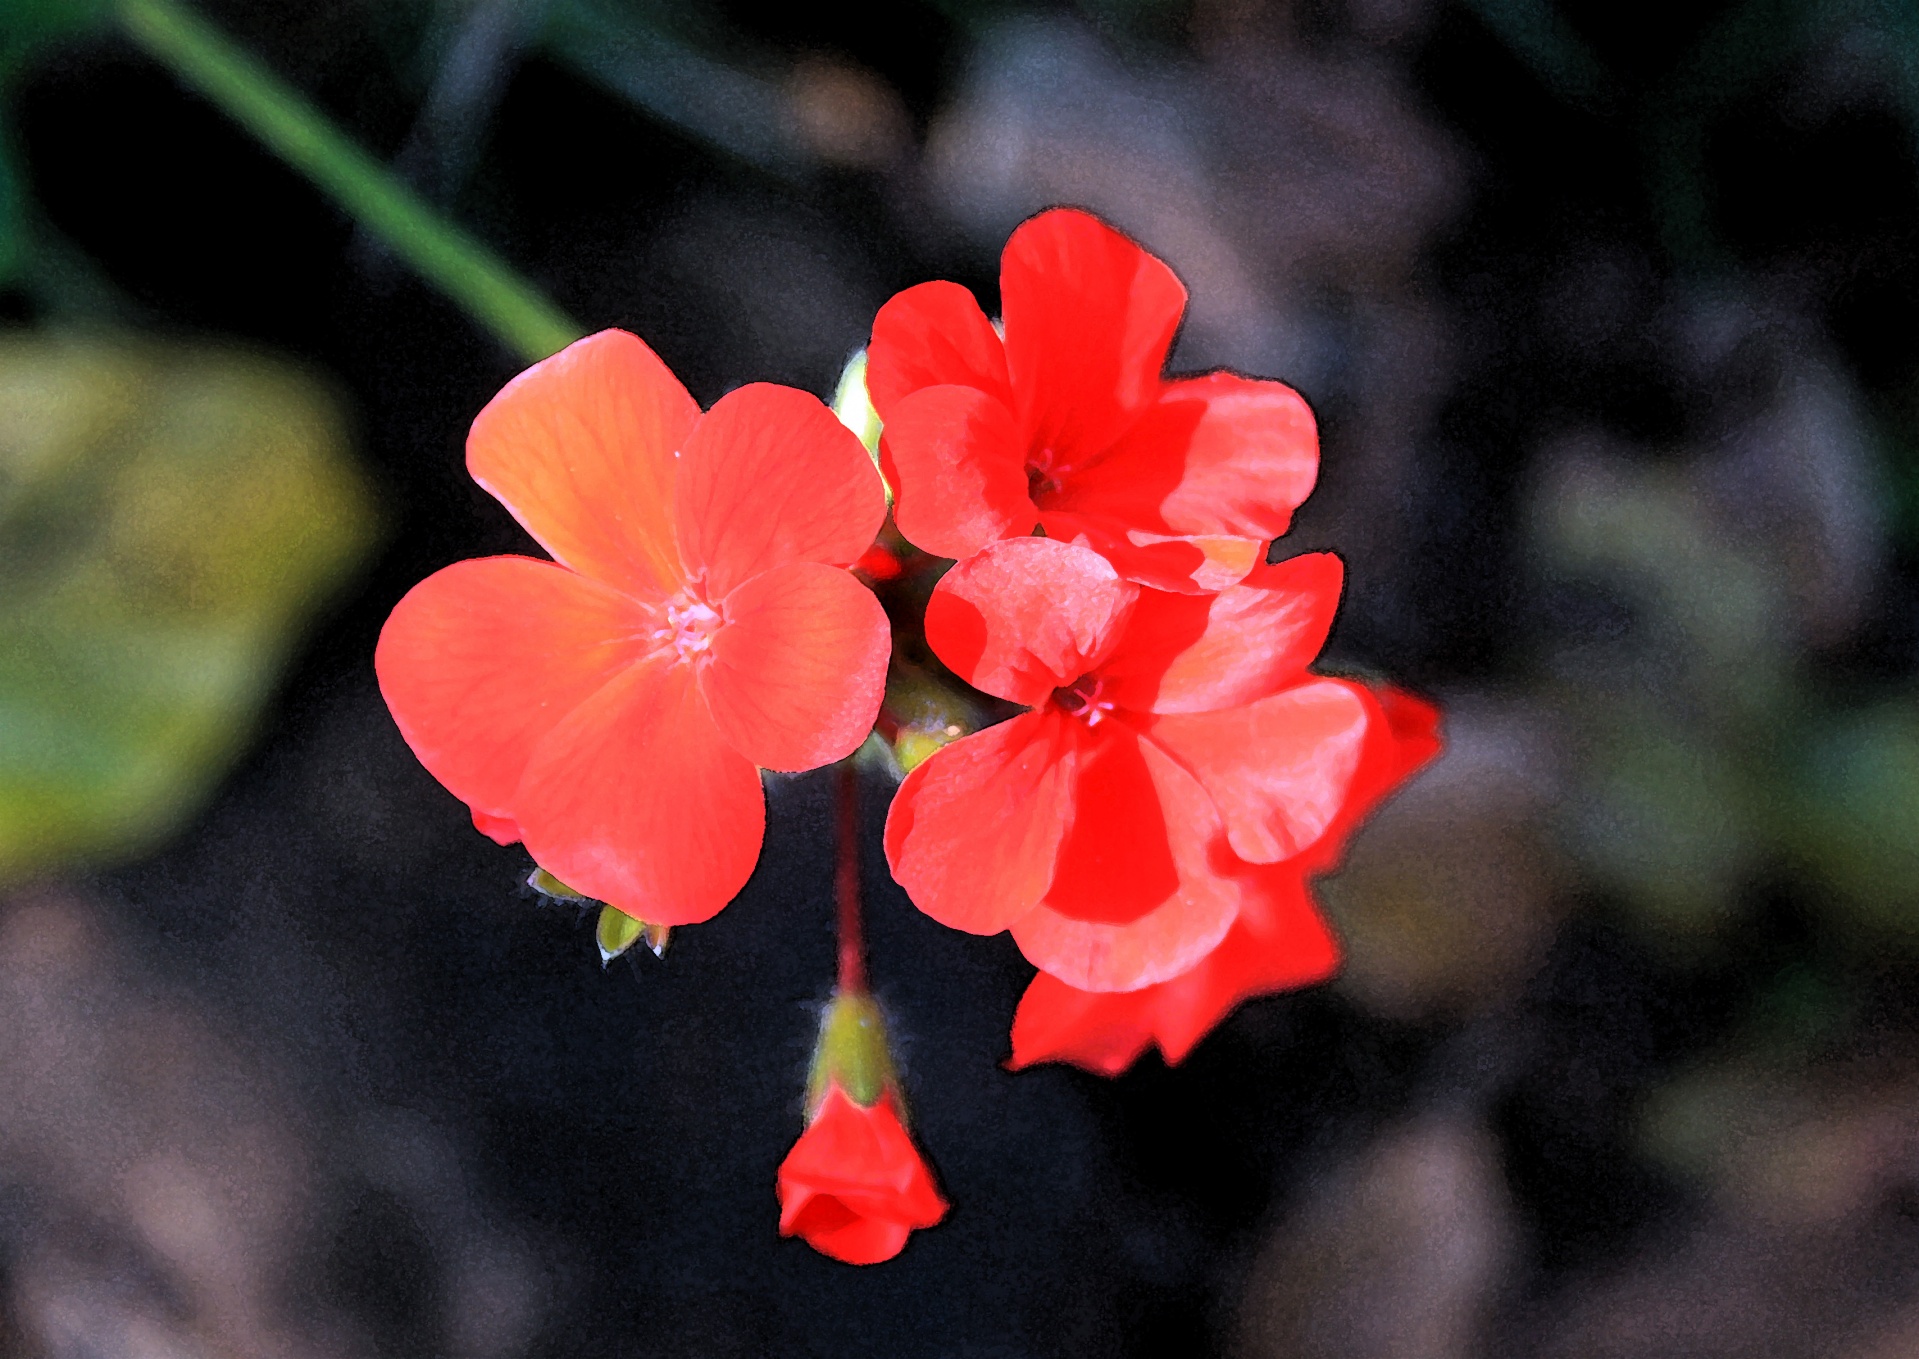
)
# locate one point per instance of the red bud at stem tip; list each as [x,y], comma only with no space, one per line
[854,1186]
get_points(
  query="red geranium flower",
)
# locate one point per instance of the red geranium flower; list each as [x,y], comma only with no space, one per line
[1172,737]
[854,1185]
[1279,940]
[609,707]
[1068,424]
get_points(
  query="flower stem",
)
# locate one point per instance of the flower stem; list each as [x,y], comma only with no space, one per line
[846,882]
[452,261]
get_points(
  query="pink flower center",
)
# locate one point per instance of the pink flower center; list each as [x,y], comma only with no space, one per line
[690,625]
[1082,699]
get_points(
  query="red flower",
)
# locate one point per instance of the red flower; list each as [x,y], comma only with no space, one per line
[854,1185]
[1278,942]
[609,707]
[1069,424]
[1172,737]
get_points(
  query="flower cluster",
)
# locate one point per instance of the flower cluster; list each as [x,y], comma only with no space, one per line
[1146,829]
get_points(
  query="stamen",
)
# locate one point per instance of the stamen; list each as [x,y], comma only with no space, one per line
[1082,699]
[690,625]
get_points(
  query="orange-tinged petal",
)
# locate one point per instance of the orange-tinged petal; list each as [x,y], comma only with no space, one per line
[958,471]
[637,800]
[795,675]
[580,447]
[1166,941]
[1089,316]
[1199,653]
[1279,770]
[973,832]
[1027,616]
[928,336]
[481,660]
[770,476]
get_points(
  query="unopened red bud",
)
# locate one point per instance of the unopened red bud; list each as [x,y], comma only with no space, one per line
[854,1186]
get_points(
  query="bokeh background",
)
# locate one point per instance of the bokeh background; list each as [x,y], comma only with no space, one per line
[1608,316]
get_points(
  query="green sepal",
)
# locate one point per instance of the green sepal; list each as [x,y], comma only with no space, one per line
[616,932]
[551,887]
[852,1053]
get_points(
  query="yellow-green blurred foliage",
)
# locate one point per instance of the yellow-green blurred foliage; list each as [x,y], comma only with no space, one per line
[169,517]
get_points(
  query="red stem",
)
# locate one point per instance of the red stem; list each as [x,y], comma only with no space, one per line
[846,882]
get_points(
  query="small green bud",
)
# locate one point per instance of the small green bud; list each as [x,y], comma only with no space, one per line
[854,407]
[929,715]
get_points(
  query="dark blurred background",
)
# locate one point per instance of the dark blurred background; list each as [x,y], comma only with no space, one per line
[1607,313]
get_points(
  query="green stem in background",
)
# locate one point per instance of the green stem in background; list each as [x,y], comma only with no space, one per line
[462,268]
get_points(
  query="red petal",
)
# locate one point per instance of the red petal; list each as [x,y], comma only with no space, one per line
[1402,737]
[481,660]
[1027,616]
[958,471]
[1115,863]
[580,448]
[1089,316]
[1215,454]
[770,477]
[973,833]
[502,830]
[637,800]
[1196,565]
[1199,653]
[1190,495]
[795,676]
[1099,956]
[1278,943]
[1279,770]
[854,1185]
[928,336]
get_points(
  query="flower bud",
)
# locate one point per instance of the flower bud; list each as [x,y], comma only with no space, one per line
[854,1187]
[854,406]
[927,715]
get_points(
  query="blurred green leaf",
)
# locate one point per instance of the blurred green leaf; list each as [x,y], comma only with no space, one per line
[26,25]
[1857,822]
[1669,824]
[169,520]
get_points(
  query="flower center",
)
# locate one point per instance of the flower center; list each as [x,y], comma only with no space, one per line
[690,625]
[1042,477]
[1082,699]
